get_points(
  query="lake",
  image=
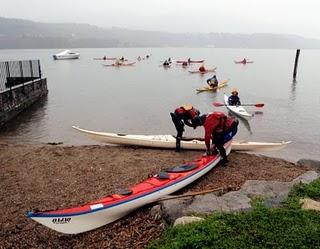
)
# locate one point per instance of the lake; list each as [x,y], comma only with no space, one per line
[138,99]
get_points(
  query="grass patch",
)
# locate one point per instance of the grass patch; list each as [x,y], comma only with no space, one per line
[287,227]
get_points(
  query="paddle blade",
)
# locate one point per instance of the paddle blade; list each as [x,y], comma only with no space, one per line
[259,105]
[217,104]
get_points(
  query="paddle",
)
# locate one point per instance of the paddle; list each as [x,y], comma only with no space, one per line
[217,104]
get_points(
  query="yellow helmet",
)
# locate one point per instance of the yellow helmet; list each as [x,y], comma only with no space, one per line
[187,107]
[235,90]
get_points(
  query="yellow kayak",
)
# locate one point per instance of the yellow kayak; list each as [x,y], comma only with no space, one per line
[223,83]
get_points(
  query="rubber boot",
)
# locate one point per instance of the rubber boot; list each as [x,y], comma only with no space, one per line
[223,155]
[178,144]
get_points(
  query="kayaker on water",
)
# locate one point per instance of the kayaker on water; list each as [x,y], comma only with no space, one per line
[213,81]
[118,62]
[234,98]
[244,61]
[202,68]
[183,115]
[166,63]
[219,129]
[104,57]
[169,60]
[189,60]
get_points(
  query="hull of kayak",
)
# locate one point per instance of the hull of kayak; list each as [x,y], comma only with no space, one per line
[110,59]
[199,61]
[241,62]
[169,141]
[223,83]
[113,207]
[204,72]
[122,65]
[237,110]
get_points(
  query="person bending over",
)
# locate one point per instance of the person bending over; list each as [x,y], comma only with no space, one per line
[219,129]
[183,115]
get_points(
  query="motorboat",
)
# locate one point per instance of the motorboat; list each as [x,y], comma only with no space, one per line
[65,55]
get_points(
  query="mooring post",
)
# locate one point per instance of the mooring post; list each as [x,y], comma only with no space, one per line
[296,64]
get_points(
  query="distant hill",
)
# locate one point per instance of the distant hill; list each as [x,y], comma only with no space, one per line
[18,33]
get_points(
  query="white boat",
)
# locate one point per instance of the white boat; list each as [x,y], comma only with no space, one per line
[169,141]
[113,207]
[65,55]
[237,110]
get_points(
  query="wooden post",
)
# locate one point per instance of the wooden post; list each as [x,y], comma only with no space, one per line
[296,64]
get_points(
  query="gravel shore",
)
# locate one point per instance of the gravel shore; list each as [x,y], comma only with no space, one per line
[49,177]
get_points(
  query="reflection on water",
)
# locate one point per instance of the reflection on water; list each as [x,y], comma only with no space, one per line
[28,125]
[138,99]
[242,122]
[293,90]
[246,124]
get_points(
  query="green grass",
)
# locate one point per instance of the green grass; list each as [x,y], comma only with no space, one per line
[285,227]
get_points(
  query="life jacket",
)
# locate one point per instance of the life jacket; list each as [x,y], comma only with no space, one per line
[187,110]
[222,126]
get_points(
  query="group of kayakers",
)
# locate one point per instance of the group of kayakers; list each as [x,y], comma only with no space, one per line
[219,128]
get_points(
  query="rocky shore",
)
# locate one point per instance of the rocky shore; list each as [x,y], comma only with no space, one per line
[49,177]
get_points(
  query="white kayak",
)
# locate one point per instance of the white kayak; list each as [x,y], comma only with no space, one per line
[237,110]
[169,141]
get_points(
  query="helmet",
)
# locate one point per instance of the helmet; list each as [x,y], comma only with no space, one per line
[235,90]
[187,107]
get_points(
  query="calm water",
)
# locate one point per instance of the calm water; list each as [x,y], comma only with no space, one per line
[137,100]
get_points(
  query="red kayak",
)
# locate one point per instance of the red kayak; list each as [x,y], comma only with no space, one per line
[200,61]
[98,213]
[120,65]
[108,59]
[242,62]
[204,72]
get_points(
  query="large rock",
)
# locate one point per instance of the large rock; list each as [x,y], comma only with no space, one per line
[306,178]
[315,164]
[310,204]
[230,202]
[175,208]
[186,220]
[266,189]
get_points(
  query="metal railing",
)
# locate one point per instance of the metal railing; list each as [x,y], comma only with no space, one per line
[14,73]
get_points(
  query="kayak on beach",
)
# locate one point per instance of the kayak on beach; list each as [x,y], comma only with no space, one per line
[204,72]
[223,83]
[119,65]
[237,109]
[191,61]
[169,141]
[113,207]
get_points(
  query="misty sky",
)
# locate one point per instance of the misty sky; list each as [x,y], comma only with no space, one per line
[236,16]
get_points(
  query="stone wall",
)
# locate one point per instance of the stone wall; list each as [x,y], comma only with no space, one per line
[20,97]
